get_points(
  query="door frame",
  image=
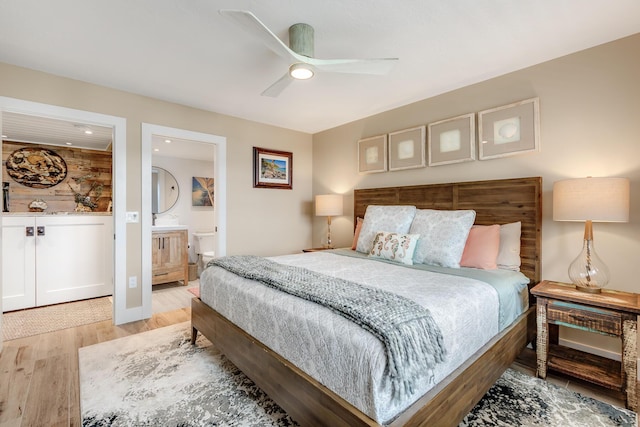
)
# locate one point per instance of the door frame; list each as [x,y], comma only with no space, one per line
[220,177]
[121,314]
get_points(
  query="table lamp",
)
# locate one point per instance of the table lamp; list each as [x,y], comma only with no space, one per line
[590,200]
[328,205]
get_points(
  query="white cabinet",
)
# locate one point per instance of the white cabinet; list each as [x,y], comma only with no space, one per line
[67,258]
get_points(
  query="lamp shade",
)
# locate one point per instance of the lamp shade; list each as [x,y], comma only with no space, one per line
[594,199]
[329,205]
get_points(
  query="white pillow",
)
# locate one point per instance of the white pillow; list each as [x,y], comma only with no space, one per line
[394,219]
[443,235]
[509,252]
[394,247]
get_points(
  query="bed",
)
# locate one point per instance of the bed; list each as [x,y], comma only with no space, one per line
[294,385]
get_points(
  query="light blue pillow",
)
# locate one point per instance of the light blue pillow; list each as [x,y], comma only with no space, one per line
[394,219]
[443,235]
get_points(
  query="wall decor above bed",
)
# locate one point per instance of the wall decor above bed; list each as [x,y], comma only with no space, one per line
[407,149]
[372,154]
[509,130]
[452,140]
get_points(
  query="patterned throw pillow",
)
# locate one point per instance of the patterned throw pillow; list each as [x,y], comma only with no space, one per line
[395,219]
[443,235]
[394,247]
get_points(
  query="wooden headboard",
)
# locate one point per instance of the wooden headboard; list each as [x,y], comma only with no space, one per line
[496,202]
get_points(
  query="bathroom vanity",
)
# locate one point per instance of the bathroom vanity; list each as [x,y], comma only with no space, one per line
[169,252]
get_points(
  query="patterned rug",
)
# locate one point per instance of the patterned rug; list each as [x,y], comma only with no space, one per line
[159,378]
[40,320]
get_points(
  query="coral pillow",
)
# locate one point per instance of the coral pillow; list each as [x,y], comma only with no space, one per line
[481,249]
[357,233]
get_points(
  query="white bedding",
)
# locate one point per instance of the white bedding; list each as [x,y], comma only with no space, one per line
[338,353]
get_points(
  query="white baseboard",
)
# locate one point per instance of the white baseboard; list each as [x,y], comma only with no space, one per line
[589,349]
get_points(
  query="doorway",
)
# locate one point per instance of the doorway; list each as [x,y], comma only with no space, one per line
[149,133]
[118,126]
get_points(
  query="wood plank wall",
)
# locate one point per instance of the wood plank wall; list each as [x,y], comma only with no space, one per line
[60,198]
[496,202]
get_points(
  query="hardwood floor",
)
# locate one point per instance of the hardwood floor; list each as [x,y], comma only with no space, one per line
[39,383]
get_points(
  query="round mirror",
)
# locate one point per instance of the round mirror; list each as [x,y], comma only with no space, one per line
[164,190]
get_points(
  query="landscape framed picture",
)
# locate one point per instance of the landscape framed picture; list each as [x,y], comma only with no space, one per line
[452,140]
[272,169]
[509,130]
[407,149]
[372,154]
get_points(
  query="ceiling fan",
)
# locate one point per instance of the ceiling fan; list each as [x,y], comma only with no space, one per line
[300,52]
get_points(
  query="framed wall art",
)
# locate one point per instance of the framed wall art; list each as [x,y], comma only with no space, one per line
[272,169]
[509,130]
[202,191]
[407,149]
[452,140]
[372,154]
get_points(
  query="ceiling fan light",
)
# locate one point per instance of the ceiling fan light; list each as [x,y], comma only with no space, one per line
[300,71]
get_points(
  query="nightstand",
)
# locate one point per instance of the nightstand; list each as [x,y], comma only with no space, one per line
[315,249]
[611,313]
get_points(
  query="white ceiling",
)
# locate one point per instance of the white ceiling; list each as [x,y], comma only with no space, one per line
[185,52]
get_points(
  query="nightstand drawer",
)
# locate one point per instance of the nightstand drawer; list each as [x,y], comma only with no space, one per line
[588,318]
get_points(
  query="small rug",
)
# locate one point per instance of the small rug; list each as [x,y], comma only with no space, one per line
[40,320]
[195,291]
[159,378]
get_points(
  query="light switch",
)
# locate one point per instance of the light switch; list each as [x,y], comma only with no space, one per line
[133,217]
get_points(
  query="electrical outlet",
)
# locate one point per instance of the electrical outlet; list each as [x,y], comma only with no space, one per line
[133,281]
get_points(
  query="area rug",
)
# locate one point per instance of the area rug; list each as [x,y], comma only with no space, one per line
[159,378]
[40,320]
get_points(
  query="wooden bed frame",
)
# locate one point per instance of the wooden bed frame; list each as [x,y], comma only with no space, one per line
[312,404]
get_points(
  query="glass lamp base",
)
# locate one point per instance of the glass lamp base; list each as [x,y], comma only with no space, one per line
[588,289]
[587,272]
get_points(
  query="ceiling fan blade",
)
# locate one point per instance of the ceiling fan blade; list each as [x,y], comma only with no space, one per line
[275,89]
[251,24]
[356,66]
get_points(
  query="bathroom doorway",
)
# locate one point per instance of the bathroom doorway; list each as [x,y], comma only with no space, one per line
[188,158]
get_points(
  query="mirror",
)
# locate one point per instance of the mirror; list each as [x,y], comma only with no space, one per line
[164,190]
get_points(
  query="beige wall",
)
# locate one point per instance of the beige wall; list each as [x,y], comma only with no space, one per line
[590,126]
[259,221]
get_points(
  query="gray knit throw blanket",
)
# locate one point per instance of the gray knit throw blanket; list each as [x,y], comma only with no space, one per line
[412,339]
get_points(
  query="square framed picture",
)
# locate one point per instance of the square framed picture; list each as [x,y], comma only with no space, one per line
[372,154]
[452,140]
[509,130]
[272,169]
[407,149]
[202,191]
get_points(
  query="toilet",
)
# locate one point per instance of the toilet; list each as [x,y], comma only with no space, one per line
[204,246]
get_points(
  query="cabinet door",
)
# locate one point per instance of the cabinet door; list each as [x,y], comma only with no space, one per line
[18,262]
[172,250]
[74,258]
[169,257]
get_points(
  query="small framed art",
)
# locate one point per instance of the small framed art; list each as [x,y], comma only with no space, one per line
[407,149]
[272,169]
[372,154]
[509,130]
[452,140]
[202,191]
